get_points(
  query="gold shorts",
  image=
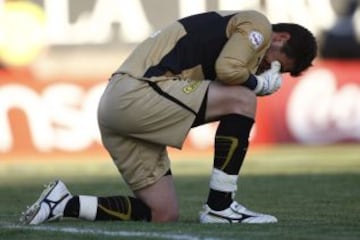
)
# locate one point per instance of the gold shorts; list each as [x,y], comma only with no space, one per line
[139,119]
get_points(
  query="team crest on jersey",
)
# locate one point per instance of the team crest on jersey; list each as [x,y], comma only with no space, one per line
[256,39]
[192,86]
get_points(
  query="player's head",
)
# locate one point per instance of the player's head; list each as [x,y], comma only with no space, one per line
[293,46]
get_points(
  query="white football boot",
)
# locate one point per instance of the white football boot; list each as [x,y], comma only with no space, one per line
[235,213]
[50,205]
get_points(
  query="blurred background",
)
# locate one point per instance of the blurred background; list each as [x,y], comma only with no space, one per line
[56,57]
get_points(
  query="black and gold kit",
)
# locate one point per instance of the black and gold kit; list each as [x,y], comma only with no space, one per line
[154,97]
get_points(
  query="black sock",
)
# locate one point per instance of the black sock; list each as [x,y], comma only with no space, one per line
[72,207]
[113,208]
[122,208]
[218,200]
[231,142]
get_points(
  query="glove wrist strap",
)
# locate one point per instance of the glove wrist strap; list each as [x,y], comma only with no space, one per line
[251,82]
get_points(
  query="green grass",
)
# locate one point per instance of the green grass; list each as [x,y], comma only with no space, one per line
[314,192]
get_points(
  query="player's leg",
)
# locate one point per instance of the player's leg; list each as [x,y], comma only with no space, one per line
[157,203]
[146,169]
[57,202]
[144,164]
[162,200]
[235,108]
[96,208]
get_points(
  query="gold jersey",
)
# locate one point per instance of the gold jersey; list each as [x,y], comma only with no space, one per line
[153,99]
[220,46]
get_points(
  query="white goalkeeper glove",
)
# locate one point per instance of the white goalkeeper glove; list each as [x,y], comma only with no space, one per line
[269,81]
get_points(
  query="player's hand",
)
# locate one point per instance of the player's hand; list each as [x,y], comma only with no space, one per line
[269,81]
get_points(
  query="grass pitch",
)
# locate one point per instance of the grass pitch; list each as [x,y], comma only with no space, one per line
[313,191]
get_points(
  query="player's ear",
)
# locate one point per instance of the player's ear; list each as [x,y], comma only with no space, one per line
[284,36]
[281,36]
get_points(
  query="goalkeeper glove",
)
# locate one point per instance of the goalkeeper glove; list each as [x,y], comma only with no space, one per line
[269,81]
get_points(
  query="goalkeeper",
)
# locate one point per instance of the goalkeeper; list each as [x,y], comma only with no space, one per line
[202,68]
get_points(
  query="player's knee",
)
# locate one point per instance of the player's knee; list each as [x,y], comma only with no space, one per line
[169,215]
[244,103]
[225,100]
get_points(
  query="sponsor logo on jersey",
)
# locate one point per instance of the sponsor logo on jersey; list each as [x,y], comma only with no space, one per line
[154,35]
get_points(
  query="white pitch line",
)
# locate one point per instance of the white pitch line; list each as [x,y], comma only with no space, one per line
[73,230]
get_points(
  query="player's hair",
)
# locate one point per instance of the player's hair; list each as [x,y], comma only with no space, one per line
[301,46]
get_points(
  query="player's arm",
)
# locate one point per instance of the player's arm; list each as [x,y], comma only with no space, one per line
[249,37]
[233,65]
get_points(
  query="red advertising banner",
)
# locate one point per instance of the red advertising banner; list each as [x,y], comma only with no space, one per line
[59,115]
[321,107]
